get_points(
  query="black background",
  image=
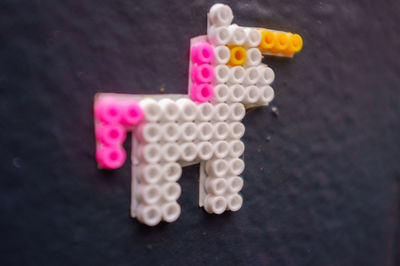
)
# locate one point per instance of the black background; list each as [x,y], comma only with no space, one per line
[322,176]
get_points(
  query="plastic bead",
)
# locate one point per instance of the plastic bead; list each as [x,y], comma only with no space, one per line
[132,114]
[202,73]
[201,93]
[110,157]
[238,56]
[202,53]
[111,135]
[108,111]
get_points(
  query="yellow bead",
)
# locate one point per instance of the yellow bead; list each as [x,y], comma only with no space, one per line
[296,43]
[268,39]
[238,56]
[281,43]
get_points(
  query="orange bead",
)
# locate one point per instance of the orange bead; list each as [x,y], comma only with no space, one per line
[268,39]
[238,56]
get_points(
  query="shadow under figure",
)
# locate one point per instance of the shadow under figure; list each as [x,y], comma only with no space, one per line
[171,131]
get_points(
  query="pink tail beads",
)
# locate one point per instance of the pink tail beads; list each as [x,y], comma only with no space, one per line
[113,119]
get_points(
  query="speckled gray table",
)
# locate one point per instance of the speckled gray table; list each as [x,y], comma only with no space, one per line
[322,171]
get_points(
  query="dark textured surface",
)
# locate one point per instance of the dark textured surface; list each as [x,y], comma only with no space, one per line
[321,179]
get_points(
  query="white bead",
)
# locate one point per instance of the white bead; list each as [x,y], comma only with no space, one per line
[171,191]
[149,194]
[149,132]
[188,109]
[215,204]
[149,214]
[252,76]
[188,151]
[234,202]
[221,93]
[151,108]
[170,132]
[217,167]
[188,131]
[254,57]
[236,148]
[220,15]
[205,131]
[222,55]
[238,35]
[221,74]
[172,172]
[267,75]
[236,93]
[206,112]
[221,149]
[216,186]
[219,35]
[252,95]
[222,112]
[237,111]
[221,130]
[236,130]
[236,166]
[237,75]
[266,95]
[253,37]
[205,150]
[170,110]
[170,152]
[150,173]
[170,211]
[234,184]
[150,153]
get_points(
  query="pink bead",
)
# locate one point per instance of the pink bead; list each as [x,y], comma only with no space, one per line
[110,157]
[108,110]
[201,93]
[132,114]
[202,52]
[112,135]
[202,73]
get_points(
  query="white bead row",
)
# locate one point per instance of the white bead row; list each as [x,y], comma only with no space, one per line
[154,173]
[189,131]
[154,213]
[218,204]
[188,151]
[220,185]
[234,35]
[153,193]
[222,167]
[247,95]
[184,109]
[260,75]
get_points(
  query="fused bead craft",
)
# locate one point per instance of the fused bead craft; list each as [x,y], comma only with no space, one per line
[170,131]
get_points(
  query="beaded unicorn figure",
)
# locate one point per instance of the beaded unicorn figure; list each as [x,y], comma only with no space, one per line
[170,131]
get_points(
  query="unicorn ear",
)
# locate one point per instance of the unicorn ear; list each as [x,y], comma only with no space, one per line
[218,19]
[220,15]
